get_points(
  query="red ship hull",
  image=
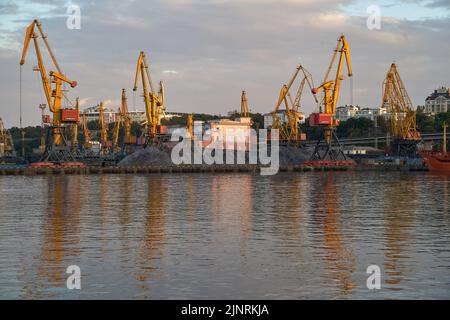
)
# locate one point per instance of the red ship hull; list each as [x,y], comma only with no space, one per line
[437,161]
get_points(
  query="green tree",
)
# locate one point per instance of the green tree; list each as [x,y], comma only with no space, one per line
[425,122]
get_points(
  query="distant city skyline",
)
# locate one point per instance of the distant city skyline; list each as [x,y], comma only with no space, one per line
[207,52]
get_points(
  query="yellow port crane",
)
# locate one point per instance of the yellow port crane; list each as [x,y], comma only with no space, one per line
[103,129]
[53,95]
[289,130]
[124,121]
[326,117]
[154,102]
[402,116]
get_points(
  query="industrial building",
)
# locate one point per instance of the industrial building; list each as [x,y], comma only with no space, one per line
[230,131]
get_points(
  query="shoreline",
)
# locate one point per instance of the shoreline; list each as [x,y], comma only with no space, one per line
[224,168]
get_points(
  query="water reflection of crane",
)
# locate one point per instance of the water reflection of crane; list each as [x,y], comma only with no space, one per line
[339,259]
[61,227]
[288,208]
[399,221]
[231,206]
[154,230]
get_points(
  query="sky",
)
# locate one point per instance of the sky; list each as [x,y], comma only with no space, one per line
[207,52]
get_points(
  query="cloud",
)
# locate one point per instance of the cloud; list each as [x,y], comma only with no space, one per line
[438,4]
[111,104]
[170,72]
[83,102]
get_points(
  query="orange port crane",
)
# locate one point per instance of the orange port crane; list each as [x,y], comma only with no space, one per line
[57,78]
[326,117]
[402,125]
[289,130]
[154,102]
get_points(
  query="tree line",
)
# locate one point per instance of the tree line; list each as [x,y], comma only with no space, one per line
[352,128]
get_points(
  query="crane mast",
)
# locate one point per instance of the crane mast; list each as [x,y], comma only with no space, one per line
[124,120]
[116,130]
[86,132]
[244,108]
[190,126]
[103,128]
[128,137]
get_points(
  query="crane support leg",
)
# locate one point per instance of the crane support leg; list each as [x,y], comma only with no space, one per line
[332,150]
[404,148]
[57,153]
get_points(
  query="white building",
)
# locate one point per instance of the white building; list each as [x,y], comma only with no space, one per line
[370,113]
[281,114]
[92,114]
[139,116]
[343,113]
[438,101]
[230,132]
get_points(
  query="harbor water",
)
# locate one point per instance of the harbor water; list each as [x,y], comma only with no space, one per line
[295,235]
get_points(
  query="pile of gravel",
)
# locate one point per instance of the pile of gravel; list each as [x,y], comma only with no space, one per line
[290,155]
[145,157]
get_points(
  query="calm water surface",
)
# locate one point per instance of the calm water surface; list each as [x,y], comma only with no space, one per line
[228,236]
